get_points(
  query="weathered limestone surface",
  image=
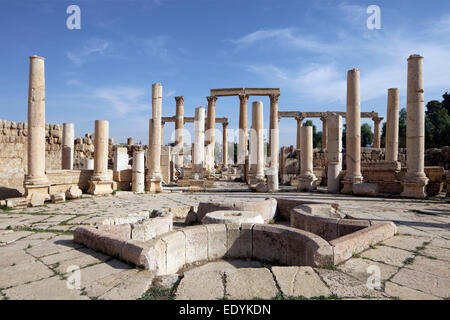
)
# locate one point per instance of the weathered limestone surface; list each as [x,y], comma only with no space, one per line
[300,281]
[211,289]
[68,146]
[415,180]
[35,179]
[307,179]
[138,178]
[250,283]
[100,182]
[392,125]
[153,181]
[353,132]
[197,181]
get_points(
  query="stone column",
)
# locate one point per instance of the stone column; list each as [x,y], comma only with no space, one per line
[211,128]
[299,127]
[197,181]
[35,180]
[88,164]
[179,131]
[392,125]
[153,183]
[225,144]
[252,149]
[68,139]
[259,129]
[243,115]
[377,132]
[353,132]
[101,182]
[334,151]
[162,132]
[120,158]
[130,141]
[415,179]
[138,178]
[307,179]
[324,132]
[272,176]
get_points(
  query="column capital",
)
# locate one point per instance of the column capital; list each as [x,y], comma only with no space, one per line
[225,124]
[324,117]
[163,123]
[211,99]
[179,99]
[377,119]
[299,118]
[274,98]
[243,97]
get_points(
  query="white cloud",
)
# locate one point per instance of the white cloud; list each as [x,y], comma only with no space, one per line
[93,46]
[123,100]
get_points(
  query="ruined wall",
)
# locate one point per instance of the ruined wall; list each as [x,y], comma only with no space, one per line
[13,154]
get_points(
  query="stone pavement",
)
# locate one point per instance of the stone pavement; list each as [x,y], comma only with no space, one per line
[38,256]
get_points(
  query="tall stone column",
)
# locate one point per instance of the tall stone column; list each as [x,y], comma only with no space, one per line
[392,125]
[153,183]
[252,149]
[243,115]
[334,152]
[353,132]
[68,139]
[272,176]
[179,131]
[35,180]
[197,181]
[299,129]
[415,180]
[324,132]
[130,141]
[259,128]
[225,144]
[377,132]
[138,178]
[101,182]
[162,132]
[210,136]
[307,179]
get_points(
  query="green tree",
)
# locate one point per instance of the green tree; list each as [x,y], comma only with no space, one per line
[437,124]
[446,102]
[402,128]
[383,136]
[366,135]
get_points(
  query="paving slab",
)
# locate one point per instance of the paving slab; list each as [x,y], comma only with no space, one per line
[202,285]
[53,288]
[405,293]
[132,288]
[250,283]
[13,236]
[423,281]
[388,255]
[14,257]
[409,243]
[345,286]
[358,268]
[300,281]
[23,273]
[437,267]
[97,288]
[438,253]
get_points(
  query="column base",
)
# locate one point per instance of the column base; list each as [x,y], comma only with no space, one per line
[100,187]
[255,181]
[348,184]
[153,185]
[197,185]
[414,187]
[333,180]
[307,182]
[37,189]
[209,181]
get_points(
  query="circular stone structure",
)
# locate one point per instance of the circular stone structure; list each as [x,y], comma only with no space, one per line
[232,216]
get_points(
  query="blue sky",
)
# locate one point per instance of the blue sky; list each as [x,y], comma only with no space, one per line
[106,69]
